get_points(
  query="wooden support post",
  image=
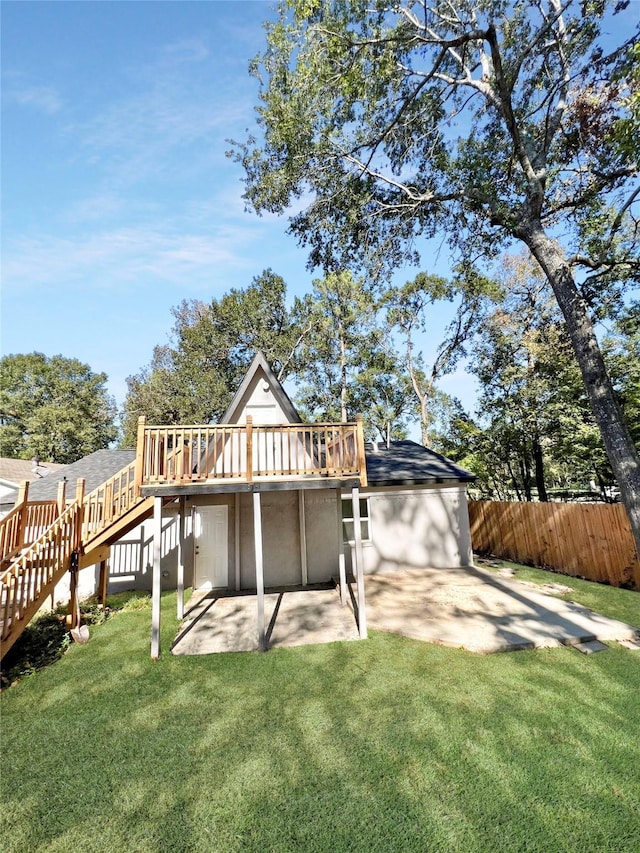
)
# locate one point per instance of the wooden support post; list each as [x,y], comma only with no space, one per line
[72,619]
[303,538]
[139,471]
[249,431]
[181,558]
[257,536]
[157,578]
[102,583]
[341,562]
[357,535]
[237,541]
[23,497]
[362,459]
[61,497]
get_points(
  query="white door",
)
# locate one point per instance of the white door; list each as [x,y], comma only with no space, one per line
[211,556]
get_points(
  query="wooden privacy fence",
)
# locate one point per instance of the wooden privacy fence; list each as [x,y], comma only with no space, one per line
[593,541]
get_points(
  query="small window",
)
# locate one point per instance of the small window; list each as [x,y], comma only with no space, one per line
[347,520]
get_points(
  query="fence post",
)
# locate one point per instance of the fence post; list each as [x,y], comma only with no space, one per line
[137,483]
[23,497]
[249,448]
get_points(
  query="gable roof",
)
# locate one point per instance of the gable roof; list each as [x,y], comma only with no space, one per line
[405,463]
[93,469]
[260,363]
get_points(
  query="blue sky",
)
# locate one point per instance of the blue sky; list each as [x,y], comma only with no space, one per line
[118,200]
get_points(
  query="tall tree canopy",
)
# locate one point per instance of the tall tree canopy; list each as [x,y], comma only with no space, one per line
[193,379]
[538,428]
[496,121]
[346,364]
[55,408]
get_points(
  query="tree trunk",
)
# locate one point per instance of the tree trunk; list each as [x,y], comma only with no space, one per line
[539,466]
[343,376]
[620,448]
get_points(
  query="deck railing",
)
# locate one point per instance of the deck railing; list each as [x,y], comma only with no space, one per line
[191,454]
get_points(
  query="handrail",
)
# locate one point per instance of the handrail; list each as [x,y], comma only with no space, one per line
[30,578]
[26,522]
[108,502]
[191,454]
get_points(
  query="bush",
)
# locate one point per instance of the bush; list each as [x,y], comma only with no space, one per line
[42,642]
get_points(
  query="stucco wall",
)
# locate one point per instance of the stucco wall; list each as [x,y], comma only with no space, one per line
[410,528]
[281,538]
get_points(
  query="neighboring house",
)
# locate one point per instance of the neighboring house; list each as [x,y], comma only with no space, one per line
[255,503]
[13,472]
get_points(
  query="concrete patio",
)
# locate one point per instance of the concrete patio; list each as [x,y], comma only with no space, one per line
[467,608]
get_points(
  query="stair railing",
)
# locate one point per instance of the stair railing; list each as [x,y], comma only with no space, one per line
[26,522]
[33,575]
[111,500]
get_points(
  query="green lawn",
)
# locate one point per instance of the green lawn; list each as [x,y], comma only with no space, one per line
[384,745]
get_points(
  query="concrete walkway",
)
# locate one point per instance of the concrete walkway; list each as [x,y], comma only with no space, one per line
[468,608]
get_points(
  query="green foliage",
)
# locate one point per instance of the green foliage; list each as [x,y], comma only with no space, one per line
[345,365]
[532,406]
[193,379]
[408,313]
[487,122]
[460,117]
[54,408]
[622,351]
[42,643]
[535,430]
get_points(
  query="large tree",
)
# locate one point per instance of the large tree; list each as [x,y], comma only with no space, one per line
[494,121]
[537,424]
[408,314]
[54,408]
[193,378]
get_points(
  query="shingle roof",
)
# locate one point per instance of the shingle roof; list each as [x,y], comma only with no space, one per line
[94,469]
[408,463]
[17,470]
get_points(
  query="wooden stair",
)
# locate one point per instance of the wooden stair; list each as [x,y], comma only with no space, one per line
[79,536]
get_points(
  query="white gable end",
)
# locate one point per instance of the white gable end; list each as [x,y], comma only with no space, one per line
[260,402]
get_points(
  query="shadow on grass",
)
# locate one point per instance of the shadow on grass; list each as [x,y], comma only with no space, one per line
[388,744]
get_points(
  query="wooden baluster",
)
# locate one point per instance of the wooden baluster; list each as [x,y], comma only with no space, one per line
[61,498]
[249,448]
[361,459]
